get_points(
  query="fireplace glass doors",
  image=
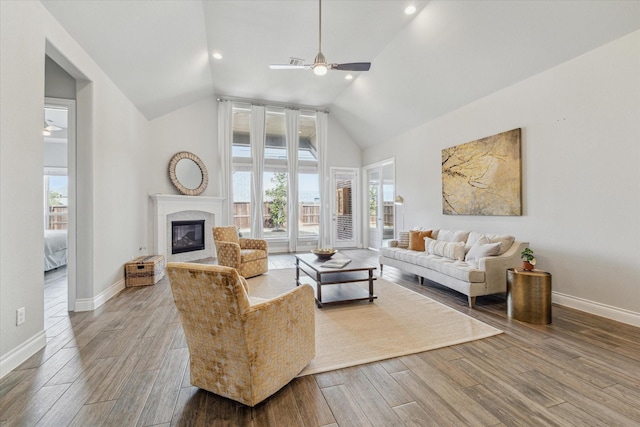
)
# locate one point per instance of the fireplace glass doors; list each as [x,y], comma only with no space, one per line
[187,236]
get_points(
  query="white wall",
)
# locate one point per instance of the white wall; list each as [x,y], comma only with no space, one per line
[581,177]
[342,151]
[112,187]
[57,82]
[193,128]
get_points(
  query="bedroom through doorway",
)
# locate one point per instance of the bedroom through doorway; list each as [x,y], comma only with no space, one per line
[58,201]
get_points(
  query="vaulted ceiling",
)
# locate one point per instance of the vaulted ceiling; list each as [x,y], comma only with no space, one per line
[446,55]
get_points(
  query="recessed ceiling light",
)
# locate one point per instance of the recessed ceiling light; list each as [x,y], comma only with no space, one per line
[410,10]
[217,55]
[348,77]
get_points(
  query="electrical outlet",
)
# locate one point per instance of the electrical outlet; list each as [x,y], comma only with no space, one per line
[20,316]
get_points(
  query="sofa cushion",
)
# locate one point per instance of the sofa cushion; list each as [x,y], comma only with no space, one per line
[452,235]
[390,252]
[403,239]
[505,240]
[481,249]
[416,239]
[451,250]
[409,256]
[473,238]
[461,270]
[457,269]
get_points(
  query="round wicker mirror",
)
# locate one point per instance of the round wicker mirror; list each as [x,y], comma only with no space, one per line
[188,174]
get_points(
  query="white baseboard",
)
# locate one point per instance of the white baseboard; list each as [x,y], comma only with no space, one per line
[90,304]
[15,357]
[602,310]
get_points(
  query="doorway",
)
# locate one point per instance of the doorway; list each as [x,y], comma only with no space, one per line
[60,197]
[380,191]
[344,208]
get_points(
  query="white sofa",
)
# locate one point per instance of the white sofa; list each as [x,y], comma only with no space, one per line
[469,262]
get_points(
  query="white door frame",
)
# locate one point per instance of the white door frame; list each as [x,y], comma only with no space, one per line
[379,230]
[355,200]
[70,105]
[365,197]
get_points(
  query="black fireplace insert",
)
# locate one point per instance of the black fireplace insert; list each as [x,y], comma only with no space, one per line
[187,236]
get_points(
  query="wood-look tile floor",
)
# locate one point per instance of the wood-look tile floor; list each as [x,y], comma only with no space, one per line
[126,364]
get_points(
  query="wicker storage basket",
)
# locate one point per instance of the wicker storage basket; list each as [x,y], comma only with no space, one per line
[144,271]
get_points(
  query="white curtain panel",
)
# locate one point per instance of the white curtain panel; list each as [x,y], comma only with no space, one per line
[257,139]
[225,142]
[292,125]
[325,187]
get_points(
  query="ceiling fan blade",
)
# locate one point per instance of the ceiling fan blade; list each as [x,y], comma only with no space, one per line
[353,66]
[288,67]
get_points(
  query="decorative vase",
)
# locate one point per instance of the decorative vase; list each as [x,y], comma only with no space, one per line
[527,266]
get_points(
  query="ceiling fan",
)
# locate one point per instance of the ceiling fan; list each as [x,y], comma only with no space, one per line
[320,65]
[49,127]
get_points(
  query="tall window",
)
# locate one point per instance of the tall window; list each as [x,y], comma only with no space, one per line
[309,199]
[242,166]
[275,204]
[275,177]
[308,179]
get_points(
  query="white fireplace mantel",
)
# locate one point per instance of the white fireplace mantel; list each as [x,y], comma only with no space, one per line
[167,204]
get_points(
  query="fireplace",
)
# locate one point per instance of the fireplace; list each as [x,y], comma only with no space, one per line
[187,236]
[172,207]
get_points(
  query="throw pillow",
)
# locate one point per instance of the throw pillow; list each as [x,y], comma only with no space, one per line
[403,239]
[416,239]
[453,235]
[481,250]
[474,237]
[505,241]
[451,250]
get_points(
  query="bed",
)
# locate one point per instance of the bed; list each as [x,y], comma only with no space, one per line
[55,249]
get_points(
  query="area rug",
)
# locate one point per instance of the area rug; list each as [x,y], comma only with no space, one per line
[397,323]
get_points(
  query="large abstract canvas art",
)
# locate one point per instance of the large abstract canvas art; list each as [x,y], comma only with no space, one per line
[483,177]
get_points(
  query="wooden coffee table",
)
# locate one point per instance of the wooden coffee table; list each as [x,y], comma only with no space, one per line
[335,285]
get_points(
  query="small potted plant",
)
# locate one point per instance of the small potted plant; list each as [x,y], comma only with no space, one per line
[528,260]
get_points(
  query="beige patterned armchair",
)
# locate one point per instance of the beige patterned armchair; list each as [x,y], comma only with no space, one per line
[242,349]
[248,256]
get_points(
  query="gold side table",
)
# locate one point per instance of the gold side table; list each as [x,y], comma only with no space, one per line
[529,295]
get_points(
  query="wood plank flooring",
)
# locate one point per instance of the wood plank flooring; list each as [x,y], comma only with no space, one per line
[126,364]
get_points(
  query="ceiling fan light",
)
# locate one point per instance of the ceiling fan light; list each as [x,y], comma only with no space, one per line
[410,10]
[320,69]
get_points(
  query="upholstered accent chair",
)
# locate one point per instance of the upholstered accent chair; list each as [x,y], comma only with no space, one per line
[242,348]
[248,256]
